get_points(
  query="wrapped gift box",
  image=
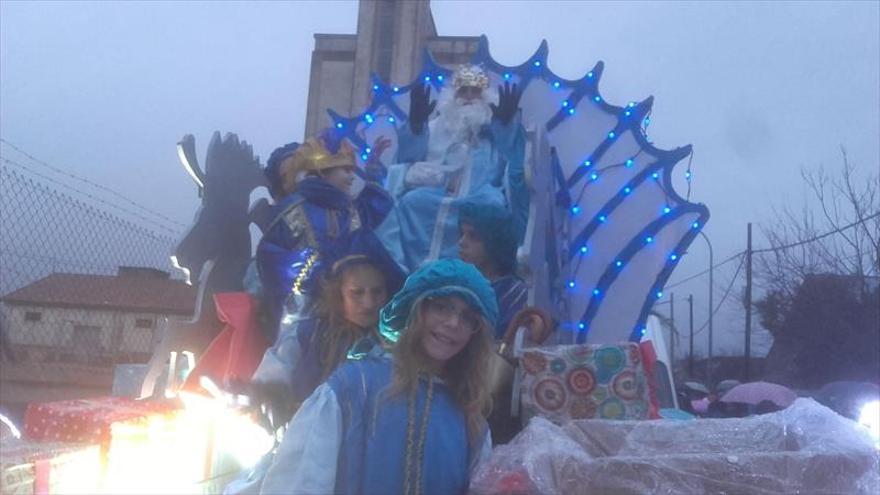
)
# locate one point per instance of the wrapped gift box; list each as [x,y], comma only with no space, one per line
[28,468]
[88,420]
[586,381]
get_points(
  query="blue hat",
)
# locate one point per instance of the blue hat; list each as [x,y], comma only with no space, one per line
[438,278]
[495,227]
[273,167]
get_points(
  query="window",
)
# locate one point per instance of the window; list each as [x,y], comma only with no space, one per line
[143,323]
[33,316]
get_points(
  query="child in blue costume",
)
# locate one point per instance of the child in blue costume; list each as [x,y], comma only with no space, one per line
[409,422]
[488,240]
[314,222]
[308,350]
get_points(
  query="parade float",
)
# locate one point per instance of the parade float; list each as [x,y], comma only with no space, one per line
[604,230]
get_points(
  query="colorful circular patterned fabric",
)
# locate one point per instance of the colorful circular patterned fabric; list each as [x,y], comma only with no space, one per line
[625,385]
[550,394]
[612,408]
[579,354]
[581,381]
[534,362]
[557,366]
[609,360]
[582,408]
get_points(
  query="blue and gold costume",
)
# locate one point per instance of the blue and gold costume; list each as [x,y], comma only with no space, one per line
[313,227]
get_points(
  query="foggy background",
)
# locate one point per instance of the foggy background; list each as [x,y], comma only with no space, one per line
[104,90]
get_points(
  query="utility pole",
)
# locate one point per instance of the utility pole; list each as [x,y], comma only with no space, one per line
[691,349]
[672,333]
[748,350]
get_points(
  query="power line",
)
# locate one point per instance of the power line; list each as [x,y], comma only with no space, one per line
[724,297]
[90,183]
[818,237]
[88,195]
[707,270]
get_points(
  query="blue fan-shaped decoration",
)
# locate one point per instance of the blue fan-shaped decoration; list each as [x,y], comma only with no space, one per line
[612,225]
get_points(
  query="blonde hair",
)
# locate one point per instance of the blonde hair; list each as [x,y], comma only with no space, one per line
[466,373]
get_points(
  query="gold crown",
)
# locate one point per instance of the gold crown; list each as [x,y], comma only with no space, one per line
[312,155]
[470,76]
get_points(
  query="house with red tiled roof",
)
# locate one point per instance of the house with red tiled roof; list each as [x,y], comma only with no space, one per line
[93,319]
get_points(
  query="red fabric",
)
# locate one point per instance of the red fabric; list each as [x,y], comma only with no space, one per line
[649,360]
[235,353]
[87,420]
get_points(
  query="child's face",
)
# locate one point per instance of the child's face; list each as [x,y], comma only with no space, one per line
[471,248]
[363,294]
[449,324]
[341,177]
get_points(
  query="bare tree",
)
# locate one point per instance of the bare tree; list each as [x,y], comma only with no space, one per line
[840,235]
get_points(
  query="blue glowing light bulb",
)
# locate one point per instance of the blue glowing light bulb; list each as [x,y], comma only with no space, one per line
[649,240]
[581,326]
[627,113]
[629,163]
[364,157]
[627,190]
[396,89]
[655,175]
[643,331]
[587,163]
[575,209]
[659,294]
[602,218]
[695,225]
[666,209]
[440,77]
[594,176]
[673,256]
[618,263]
[556,84]
[687,175]
[583,249]
[391,119]
[597,98]
[571,111]
[507,75]
[564,103]
[339,125]
[369,118]
[590,74]
[571,284]
[427,78]
[611,135]
[596,292]
[537,63]
[375,87]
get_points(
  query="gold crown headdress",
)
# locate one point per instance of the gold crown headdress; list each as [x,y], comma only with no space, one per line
[312,155]
[470,76]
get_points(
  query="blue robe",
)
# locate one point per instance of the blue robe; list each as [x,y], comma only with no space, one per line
[512,294]
[424,223]
[311,229]
[350,437]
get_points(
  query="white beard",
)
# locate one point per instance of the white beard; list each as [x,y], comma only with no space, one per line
[457,126]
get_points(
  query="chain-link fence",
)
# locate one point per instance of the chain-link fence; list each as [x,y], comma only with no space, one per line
[84,282]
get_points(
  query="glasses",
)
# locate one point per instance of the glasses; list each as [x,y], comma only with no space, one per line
[446,309]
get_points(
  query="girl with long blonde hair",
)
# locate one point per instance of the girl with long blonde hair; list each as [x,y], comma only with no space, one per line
[409,421]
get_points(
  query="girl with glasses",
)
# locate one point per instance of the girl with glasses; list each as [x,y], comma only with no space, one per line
[409,421]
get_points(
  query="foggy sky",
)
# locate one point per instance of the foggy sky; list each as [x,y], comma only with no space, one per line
[105,90]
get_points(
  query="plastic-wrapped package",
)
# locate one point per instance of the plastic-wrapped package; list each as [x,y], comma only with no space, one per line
[806,448]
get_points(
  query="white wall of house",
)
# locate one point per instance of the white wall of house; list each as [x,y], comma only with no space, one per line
[89,331]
